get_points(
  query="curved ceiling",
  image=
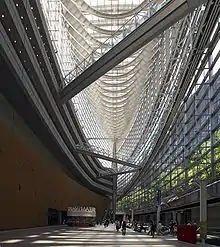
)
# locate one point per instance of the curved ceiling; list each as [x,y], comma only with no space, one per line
[114,100]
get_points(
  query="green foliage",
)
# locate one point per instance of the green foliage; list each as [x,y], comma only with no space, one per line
[198,165]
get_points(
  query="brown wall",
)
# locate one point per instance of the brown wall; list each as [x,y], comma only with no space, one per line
[42,184]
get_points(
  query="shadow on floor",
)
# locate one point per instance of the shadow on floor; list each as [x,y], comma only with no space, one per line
[91,237]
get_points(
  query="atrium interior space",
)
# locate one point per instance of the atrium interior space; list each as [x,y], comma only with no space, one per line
[109,115]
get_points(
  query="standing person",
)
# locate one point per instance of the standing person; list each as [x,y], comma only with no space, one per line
[106,223]
[123,227]
[120,223]
[117,223]
[141,226]
[172,224]
[153,228]
[159,228]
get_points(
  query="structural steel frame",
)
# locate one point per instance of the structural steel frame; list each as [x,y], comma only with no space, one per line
[172,12]
[190,147]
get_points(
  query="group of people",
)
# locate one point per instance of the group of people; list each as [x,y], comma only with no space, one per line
[173,227]
[121,225]
[153,227]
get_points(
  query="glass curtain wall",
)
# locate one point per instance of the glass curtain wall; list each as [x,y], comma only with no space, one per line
[191,149]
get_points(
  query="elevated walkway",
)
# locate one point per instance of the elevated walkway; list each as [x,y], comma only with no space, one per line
[168,15]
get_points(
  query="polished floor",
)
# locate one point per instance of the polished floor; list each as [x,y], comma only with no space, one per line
[91,237]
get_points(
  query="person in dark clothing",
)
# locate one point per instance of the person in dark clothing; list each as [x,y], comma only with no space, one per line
[123,227]
[106,223]
[120,223]
[153,228]
[141,226]
[117,224]
[172,225]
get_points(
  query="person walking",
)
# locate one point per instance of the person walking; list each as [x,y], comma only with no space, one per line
[123,227]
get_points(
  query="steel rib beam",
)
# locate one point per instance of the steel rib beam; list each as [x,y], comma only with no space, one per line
[146,32]
[202,41]
[118,173]
[104,157]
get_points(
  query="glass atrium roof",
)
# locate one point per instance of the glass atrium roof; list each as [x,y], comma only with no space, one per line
[117,107]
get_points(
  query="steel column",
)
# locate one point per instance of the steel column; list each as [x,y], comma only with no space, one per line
[203,212]
[114,195]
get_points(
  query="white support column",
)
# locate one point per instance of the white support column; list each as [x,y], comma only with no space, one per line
[203,212]
[174,215]
[179,218]
[114,195]
[158,215]
[158,207]
[124,217]
[132,215]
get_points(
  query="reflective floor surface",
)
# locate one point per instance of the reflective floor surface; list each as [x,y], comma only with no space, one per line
[90,237]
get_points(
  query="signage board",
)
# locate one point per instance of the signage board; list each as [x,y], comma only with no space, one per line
[81,211]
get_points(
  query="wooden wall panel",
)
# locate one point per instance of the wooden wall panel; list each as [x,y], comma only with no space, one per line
[30,183]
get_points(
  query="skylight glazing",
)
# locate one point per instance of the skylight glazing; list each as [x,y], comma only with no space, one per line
[119,107]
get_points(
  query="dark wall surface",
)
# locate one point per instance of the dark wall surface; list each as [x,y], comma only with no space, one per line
[30,182]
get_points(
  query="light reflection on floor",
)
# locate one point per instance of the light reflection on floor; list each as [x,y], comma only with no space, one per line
[90,237]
